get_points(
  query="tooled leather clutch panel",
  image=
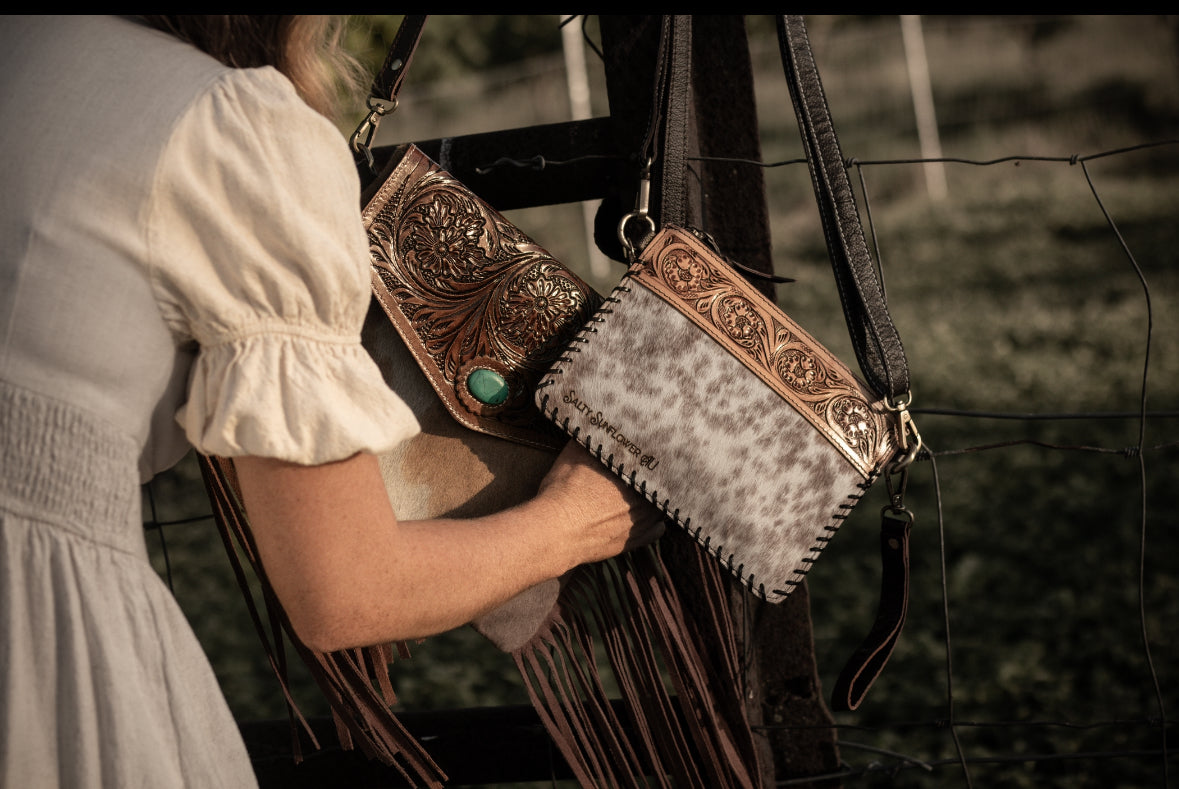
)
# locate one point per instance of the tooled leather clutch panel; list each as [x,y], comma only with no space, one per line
[483,308]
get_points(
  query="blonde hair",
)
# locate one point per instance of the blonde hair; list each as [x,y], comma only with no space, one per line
[308,49]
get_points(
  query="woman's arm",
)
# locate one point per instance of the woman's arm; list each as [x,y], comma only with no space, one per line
[349,573]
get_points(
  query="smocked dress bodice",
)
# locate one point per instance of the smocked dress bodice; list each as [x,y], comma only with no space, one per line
[183,265]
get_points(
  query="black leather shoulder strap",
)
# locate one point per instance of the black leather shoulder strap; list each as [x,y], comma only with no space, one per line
[877,345]
[678,90]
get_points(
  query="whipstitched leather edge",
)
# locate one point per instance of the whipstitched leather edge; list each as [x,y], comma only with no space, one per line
[696,282]
[842,511]
[826,531]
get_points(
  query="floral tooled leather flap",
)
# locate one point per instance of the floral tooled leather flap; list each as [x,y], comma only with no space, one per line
[482,307]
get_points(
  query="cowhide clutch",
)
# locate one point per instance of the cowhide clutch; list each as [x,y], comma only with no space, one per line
[706,398]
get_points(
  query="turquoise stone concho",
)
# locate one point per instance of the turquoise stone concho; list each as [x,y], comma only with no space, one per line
[487,386]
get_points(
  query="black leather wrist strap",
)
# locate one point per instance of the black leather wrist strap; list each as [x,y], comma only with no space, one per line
[864,666]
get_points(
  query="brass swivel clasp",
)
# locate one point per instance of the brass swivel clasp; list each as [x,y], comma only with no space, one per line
[362,139]
[896,473]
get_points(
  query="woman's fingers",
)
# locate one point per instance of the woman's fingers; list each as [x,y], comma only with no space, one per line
[603,516]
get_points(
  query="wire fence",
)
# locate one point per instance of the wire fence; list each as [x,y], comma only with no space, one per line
[893,763]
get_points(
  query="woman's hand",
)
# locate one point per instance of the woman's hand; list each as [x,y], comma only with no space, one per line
[598,514]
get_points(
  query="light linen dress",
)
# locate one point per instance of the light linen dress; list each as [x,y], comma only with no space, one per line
[182,264]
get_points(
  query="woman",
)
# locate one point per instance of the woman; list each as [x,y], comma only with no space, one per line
[184,266]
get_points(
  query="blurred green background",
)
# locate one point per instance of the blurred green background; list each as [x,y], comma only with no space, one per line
[1012,294]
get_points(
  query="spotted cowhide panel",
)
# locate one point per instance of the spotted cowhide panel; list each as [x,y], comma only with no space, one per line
[699,431]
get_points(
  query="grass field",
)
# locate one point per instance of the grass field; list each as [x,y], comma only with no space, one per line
[1013,295]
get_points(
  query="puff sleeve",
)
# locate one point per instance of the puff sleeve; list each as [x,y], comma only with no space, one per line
[258,254]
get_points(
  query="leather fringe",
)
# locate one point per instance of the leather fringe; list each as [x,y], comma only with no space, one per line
[680,719]
[355,682]
[620,629]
